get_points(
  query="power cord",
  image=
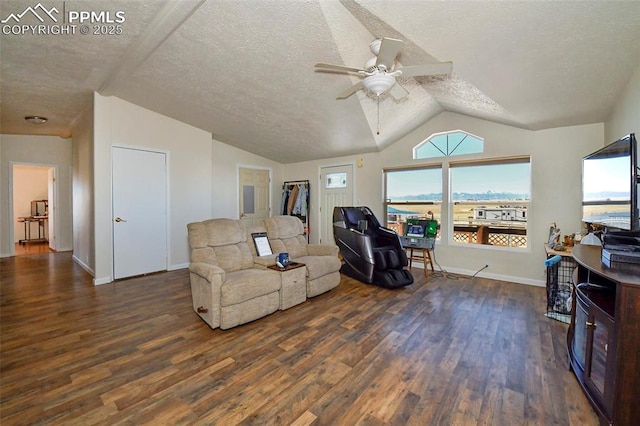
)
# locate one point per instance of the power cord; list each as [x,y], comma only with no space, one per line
[479,270]
[442,270]
[448,275]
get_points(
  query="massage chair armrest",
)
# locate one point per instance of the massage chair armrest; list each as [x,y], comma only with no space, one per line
[389,237]
[387,230]
[322,250]
[212,273]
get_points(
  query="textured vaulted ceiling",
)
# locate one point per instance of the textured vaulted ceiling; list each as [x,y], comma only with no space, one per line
[244,70]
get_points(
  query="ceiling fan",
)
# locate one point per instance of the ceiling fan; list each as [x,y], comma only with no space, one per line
[379,73]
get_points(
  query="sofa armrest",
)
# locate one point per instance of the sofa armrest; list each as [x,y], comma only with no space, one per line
[264,261]
[322,250]
[212,273]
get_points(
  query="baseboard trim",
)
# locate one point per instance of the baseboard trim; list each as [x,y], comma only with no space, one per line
[83,265]
[484,274]
[103,280]
[178,266]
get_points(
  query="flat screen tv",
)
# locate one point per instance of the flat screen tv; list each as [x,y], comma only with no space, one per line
[610,186]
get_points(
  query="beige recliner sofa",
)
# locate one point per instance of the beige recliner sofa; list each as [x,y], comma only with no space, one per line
[286,234]
[227,288]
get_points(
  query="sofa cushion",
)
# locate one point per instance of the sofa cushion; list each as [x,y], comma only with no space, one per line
[286,234]
[222,232]
[246,284]
[318,266]
[220,242]
[233,257]
[295,246]
[204,255]
[215,232]
[197,235]
[283,227]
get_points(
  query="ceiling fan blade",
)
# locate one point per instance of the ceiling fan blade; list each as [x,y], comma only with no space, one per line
[398,92]
[389,49]
[333,67]
[350,91]
[427,69]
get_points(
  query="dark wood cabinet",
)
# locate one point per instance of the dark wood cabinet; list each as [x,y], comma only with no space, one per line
[604,336]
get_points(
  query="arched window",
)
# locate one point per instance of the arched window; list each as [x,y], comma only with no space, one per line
[456,142]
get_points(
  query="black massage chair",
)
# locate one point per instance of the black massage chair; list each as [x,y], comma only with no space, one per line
[372,254]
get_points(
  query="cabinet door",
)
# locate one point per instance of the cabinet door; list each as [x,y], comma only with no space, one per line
[580,336]
[600,329]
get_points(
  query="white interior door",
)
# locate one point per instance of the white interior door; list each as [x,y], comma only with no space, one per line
[336,190]
[139,212]
[254,195]
[52,208]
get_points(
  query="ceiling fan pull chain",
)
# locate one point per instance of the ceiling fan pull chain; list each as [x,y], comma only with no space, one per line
[378,129]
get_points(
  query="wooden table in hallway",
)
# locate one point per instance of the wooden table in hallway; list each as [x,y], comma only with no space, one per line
[42,229]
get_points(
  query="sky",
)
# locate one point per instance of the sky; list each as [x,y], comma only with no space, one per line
[606,175]
[513,178]
[495,178]
[414,182]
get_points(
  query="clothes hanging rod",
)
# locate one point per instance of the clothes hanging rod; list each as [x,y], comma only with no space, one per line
[289,182]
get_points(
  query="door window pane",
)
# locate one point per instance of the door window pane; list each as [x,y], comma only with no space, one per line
[336,180]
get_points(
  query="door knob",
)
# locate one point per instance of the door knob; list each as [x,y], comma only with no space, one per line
[118,219]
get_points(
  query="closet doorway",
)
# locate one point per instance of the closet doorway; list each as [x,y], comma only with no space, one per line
[140,211]
[34,208]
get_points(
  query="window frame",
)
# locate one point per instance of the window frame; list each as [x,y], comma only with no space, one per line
[524,159]
[387,201]
[447,154]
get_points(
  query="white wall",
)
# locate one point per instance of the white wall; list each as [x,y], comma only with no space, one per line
[83,200]
[625,117]
[49,151]
[29,183]
[556,186]
[120,123]
[226,161]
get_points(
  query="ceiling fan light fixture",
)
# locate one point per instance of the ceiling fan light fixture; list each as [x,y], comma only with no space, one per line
[35,119]
[380,72]
[379,83]
[375,46]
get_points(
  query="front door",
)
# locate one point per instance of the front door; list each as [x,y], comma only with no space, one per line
[139,212]
[254,196]
[336,190]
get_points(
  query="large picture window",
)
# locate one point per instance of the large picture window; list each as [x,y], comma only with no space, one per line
[412,193]
[489,202]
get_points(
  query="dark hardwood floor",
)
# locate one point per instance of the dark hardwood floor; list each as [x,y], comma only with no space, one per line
[31,248]
[445,352]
